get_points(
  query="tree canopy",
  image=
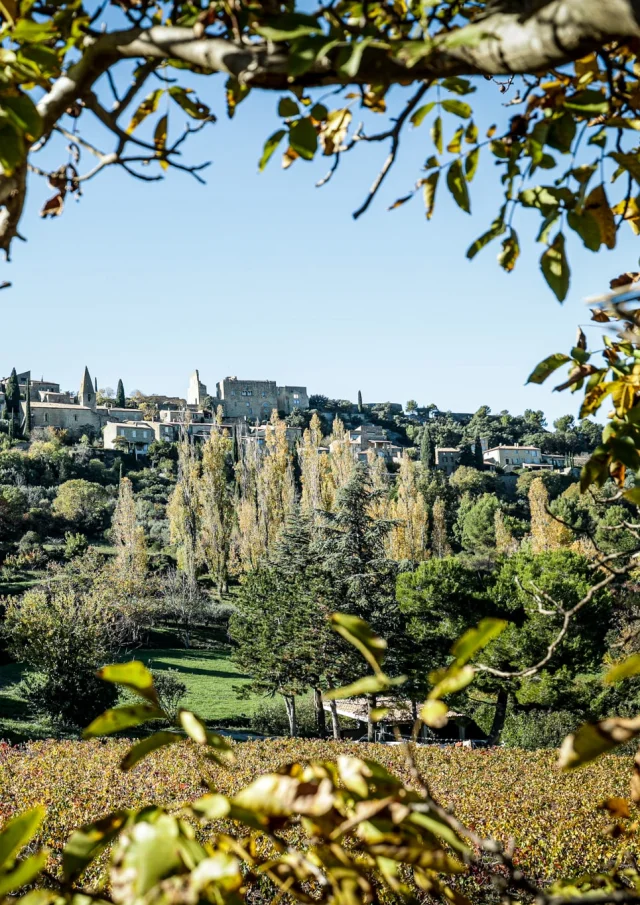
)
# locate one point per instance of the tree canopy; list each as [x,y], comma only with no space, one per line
[569,149]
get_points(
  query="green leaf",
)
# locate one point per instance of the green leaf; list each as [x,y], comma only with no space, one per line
[270,146]
[628,162]
[306,51]
[146,746]
[303,138]
[599,139]
[497,229]
[236,92]
[458,108]
[353,57]
[133,675]
[475,639]
[429,187]
[288,27]
[18,831]
[160,137]
[359,633]
[85,844]
[457,185]
[436,133]
[288,107]
[591,741]
[458,86]
[366,685]
[28,31]
[12,149]
[122,718]
[196,729]
[547,367]
[148,106]
[319,112]
[561,133]
[434,714]
[193,107]
[451,680]
[419,114]
[587,102]
[471,164]
[555,268]
[623,670]
[23,873]
[587,227]
[510,251]
[22,112]
[442,830]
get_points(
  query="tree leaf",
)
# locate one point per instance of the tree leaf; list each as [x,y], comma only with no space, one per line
[122,718]
[475,639]
[23,873]
[85,844]
[510,251]
[289,26]
[236,92]
[12,148]
[133,675]
[458,108]
[18,831]
[23,113]
[436,133]
[623,670]
[270,146]
[353,58]
[434,714]
[451,680]
[366,685]
[588,102]
[555,268]
[148,106]
[146,746]
[457,85]
[547,367]
[497,229]
[458,186]
[160,138]
[587,228]
[597,204]
[430,185]
[419,114]
[303,138]
[288,107]
[193,107]
[471,164]
[592,740]
[359,633]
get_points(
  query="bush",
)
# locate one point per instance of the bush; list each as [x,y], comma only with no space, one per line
[75,544]
[270,718]
[28,542]
[538,729]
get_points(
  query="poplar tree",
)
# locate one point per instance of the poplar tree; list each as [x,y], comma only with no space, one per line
[128,534]
[217,512]
[409,535]
[440,546]
[546,532]
[315,471]
[183,511]
[120,400]
[340,454]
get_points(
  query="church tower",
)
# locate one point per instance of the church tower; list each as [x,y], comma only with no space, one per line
[87,394]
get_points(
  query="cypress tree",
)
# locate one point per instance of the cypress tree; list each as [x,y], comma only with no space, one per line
[12,394]
[120,397]
[477,454]
[360,400]
[427,457]
[27,410]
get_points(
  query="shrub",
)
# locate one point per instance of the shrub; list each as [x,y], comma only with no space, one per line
[540,730]
[28,541]
[75,544]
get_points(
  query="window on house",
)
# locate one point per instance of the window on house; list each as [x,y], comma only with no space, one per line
[75,417]
[133,433]
[46,417]
[506,461]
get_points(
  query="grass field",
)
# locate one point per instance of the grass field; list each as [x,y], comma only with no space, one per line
[212,679]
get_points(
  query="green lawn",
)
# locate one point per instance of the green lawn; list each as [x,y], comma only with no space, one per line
[212,679]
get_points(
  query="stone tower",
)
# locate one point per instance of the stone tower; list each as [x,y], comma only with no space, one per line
[86,394]
[197,391]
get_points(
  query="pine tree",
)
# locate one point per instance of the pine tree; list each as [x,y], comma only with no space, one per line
[120,400]
[440,546]
[27,410]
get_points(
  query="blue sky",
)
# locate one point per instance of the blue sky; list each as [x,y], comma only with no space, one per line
[267,277]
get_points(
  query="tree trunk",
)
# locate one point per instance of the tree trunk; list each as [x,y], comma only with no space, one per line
[290,704]
[371,726]
[335,723]
[499,716]
[321,722]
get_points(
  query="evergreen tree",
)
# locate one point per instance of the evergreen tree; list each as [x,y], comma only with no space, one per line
[120,400]
[478,455]
[427,452]
[27,410]
[12,394]
[359,400]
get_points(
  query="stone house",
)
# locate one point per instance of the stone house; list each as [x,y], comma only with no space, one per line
[448,458]
[256,399]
